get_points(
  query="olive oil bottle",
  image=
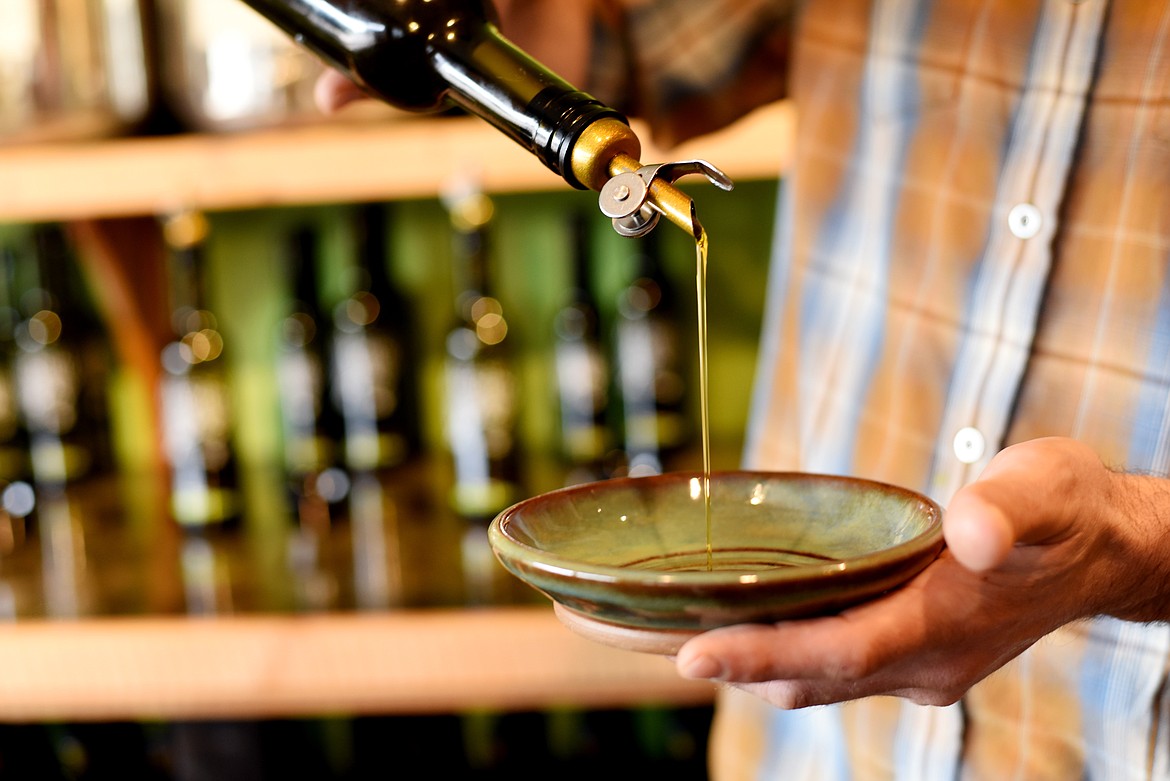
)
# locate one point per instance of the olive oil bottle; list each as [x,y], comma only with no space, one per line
[582,369]
[60,382]
[17,496]
[481,386]
[310,426]
[430,55]
[373,375]
[198,423]
[14,445]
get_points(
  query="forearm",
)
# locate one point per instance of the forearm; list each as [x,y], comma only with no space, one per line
[1138,588]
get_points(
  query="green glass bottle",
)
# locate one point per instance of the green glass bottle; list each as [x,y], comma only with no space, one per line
[198,426]
[310,427]
[197,416]
[374,365]
[582,370]
[481,386]
[375,387]
[60,367]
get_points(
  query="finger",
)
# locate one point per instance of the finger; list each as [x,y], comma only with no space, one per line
[843,649]
[792,695]
[333,91]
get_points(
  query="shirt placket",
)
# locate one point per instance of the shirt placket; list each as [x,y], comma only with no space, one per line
[1007,289]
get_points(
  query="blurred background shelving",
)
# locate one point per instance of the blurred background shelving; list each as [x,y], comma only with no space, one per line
[116,226]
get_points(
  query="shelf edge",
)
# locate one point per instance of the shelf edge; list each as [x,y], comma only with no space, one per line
[331,162]
[423,661]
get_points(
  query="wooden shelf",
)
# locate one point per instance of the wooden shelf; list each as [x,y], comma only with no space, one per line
[397,158]
[421,661]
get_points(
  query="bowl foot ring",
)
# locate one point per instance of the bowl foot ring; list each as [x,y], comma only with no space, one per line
[665,642]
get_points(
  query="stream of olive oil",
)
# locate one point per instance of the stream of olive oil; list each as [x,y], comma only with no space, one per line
[704,400]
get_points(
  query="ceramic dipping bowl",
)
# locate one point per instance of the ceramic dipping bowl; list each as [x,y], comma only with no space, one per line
[626,561]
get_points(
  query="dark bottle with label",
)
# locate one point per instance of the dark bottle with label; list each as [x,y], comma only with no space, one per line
[582,370]
[195,403]
[373,357]
[650,369]
[311,428]
[482,389]
[17,495]
[310,425]
[14,446]
[198,424]
[60,368]
[92,344]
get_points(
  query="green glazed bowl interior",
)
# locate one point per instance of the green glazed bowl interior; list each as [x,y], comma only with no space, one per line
[632,553]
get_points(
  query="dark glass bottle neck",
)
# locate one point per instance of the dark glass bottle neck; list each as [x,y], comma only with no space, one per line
[372,240]
[471,268]
[302,266]
[504,86]
[187,286]
[52,265]
[424,55]
[9,312]
[581,253]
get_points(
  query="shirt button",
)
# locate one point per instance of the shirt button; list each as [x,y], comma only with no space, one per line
[969,445]
[1024,220]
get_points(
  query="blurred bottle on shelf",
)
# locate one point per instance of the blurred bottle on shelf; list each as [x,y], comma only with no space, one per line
[223,67]
[311,428]
[17,497]
[67,593]
[15,468]
[197,423]
[582,371]
[61,368]
[375,391]
[14,446]
[481,395]
[72,69]
[373,357]
[649,363]
[376,543]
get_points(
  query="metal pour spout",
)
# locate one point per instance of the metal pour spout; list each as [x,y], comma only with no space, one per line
[634,199]
[632,195]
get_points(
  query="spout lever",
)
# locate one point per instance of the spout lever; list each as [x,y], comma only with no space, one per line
[628,201]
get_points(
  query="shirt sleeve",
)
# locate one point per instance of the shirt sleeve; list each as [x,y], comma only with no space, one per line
[689,67]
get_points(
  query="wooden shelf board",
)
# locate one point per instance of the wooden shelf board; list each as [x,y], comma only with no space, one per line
[330,162]
[422,661]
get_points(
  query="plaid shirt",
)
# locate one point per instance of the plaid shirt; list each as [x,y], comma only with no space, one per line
[973,249]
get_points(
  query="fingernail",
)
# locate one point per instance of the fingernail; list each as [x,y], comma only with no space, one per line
[704,667]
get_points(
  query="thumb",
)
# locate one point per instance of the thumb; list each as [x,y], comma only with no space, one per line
[978,532]
[1023,497]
